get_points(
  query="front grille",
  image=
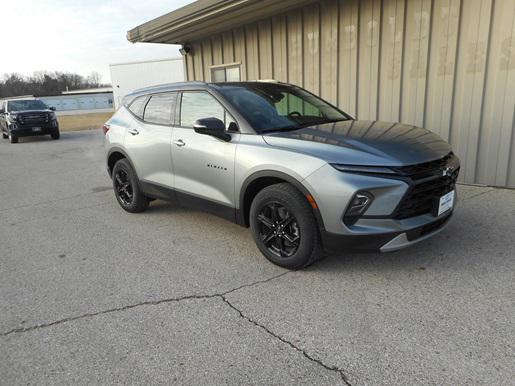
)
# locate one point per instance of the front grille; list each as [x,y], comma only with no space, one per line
[426,169]
[33,118]
[428,184]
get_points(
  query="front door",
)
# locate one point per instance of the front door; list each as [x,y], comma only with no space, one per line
[203,165]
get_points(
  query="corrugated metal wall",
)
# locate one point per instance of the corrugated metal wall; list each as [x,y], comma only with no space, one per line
[447,65]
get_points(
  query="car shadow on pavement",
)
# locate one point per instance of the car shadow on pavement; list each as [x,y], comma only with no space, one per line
[456,242]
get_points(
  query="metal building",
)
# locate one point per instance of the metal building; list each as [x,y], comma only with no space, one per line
[447,65]
[126,77]
[81,101]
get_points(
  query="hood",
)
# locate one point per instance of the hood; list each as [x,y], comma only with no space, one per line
[31,111]
[372,143]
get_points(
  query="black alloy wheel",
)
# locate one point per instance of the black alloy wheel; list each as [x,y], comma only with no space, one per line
[284,227]
[126,188]
[279,230]
[123,187]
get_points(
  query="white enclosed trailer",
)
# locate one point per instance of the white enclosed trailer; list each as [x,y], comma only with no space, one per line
[127,77]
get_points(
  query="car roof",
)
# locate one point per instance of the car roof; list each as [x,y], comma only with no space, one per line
[17,99]
[193,85]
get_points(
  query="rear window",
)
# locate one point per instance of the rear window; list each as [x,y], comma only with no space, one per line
[159,109]
[137,106]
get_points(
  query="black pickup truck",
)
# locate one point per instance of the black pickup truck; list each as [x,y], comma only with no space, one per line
[27,117]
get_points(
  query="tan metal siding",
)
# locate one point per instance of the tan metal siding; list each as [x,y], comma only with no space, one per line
[348,56]
[442,64]
[392,35]
[496,134]
[280,48]
[265,49]
[228,47]
[447,65]
[252,49]
[311,39]
[240,51]
[369,35]
[329,51]
[295,50]
[218,57]
[471,70]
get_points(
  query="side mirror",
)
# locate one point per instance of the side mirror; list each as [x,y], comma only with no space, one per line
[213,127]
[52,108]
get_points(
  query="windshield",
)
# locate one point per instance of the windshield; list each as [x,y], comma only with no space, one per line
[278,107]
[26,105]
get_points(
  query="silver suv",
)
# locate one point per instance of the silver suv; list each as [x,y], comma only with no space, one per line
[305,176]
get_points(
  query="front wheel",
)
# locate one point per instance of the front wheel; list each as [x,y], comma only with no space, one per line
[13,138]
[284,227]
[55,135]
[126,188]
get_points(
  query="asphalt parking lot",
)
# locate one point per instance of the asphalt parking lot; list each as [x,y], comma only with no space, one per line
[91,294]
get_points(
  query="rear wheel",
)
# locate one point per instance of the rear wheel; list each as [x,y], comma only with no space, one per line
[4,135]
[126,188]
[284,227]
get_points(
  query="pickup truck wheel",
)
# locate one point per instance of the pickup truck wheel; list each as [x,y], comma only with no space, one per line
[126,188]
[4,135]
[55,135]
[284,227]
[13,138]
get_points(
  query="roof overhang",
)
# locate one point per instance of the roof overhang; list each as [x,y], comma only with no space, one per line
[207,17]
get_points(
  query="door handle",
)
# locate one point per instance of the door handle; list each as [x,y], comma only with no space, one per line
[133,131]
[180,143]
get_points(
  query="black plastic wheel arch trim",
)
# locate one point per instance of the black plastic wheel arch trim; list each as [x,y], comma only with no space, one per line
[240,213]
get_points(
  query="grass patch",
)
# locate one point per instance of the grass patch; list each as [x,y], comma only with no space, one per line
[82,121]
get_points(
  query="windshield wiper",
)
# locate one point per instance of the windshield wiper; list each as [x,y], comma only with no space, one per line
[303,125]
[284,128]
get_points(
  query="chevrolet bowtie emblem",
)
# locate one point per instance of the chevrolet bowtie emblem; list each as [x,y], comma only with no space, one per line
[447,171]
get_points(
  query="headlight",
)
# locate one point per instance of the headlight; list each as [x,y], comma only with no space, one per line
[363,169]
[358,205]
[52,116]
[12,117]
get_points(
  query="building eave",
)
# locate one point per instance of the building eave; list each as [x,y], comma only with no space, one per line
[206,17]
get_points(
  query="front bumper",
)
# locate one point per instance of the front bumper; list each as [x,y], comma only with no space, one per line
[379,228]
[384,242]
[20,130]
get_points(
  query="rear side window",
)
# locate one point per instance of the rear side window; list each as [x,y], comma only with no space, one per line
[137,106]
[159,109]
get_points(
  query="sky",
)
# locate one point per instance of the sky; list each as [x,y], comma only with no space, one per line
[78,36]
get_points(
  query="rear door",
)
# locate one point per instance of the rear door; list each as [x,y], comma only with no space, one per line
[149,136]
[203,165]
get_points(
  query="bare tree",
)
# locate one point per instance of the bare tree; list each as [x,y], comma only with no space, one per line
[45,83]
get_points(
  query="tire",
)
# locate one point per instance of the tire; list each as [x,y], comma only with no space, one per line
[4,135]
[300,237]
[55,135]
[126,188]
[13,138]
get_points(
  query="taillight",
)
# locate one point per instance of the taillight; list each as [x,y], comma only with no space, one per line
[106,128]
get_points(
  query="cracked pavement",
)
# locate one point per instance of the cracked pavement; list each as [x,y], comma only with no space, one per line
[91,294]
